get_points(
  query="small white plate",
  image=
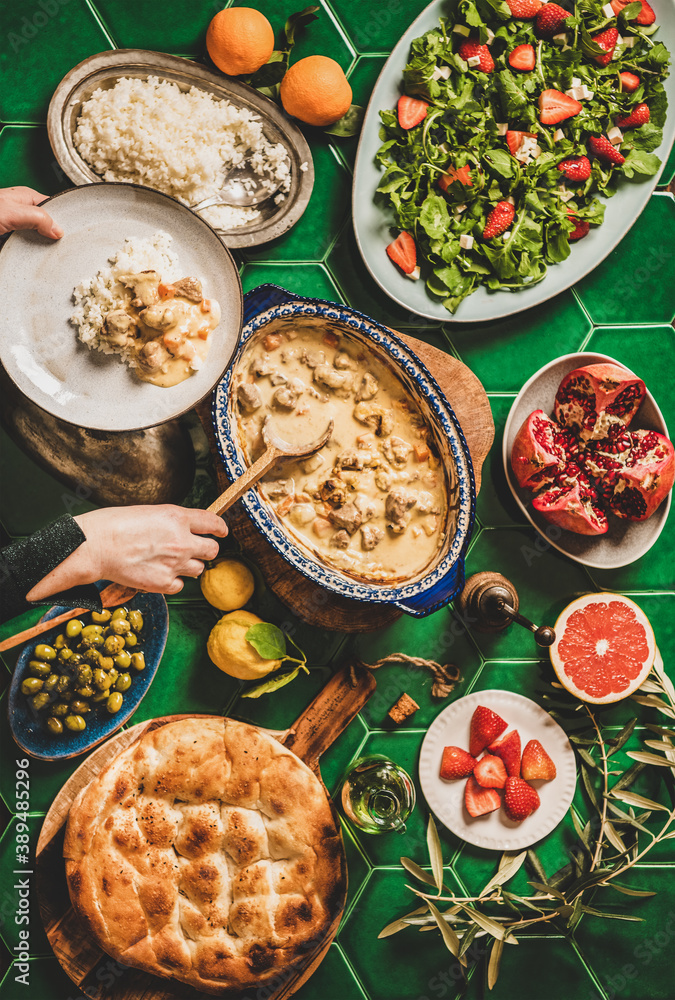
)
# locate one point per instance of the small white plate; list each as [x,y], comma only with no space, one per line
[39,346]
[495,831]
[625,541]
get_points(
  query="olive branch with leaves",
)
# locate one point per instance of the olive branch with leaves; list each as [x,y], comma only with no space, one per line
[608,844]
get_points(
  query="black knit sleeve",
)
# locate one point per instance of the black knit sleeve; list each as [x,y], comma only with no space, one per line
[27,561]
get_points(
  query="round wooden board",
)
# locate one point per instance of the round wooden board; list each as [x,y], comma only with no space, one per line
[95,973]
[310,602]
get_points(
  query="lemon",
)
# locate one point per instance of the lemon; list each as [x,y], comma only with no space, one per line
[230,651]
[227,585]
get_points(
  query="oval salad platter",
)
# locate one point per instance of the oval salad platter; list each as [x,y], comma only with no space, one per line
[374,222]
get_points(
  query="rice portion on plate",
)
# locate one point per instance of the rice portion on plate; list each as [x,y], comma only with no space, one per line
[97,296]
[180,142]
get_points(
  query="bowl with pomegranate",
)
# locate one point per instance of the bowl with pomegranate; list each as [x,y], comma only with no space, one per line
[588,459]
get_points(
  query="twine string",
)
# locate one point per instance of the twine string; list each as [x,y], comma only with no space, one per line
[445,675]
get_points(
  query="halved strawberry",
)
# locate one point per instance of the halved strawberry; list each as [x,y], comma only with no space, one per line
[554,106]
[581,228]
[479,800]
[524,9]
[520,799]
[490,772]
[463,175]
[514,139]
[606,40]
[575,168]
[550,20]
[629,82]
[600,146]
[456,763]
[536,763]
[472,48]
[523,57]
[508,748]
[638,116]
[403,252]
[411,111]
[646,15]
[498,221]
[486,726]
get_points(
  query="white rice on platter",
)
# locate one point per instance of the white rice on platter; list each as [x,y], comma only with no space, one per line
[95,297]
[180,142]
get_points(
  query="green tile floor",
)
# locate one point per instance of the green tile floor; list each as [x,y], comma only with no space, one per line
[624,308]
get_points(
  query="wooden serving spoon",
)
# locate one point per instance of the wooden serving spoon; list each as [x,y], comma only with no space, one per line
[111,596]
[276,448]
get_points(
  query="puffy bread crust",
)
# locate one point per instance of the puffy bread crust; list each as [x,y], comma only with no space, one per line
[206,852]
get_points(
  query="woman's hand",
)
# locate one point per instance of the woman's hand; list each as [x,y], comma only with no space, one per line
[19,210]
[149,548]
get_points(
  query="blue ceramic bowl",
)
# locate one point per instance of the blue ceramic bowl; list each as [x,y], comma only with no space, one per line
[445,579]
[29,730]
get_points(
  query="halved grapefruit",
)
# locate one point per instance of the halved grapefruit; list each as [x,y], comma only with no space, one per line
[604,648]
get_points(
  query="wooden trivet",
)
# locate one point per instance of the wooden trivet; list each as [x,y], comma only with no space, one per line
[310,602]
[96,974]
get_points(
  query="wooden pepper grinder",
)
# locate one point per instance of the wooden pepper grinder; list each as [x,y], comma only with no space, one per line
[489,603]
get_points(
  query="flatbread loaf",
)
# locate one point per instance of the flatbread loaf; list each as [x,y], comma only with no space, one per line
[208,853]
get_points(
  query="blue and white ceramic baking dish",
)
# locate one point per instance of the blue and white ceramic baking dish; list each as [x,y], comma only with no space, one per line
[445,578]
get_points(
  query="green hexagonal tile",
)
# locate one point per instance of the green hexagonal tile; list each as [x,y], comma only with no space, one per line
[312,280]
[505,353]
[634,960]
[337,757]
[378,25]
[323,37]
[26,158]
[440,637]
[358,868]
[653,571]
[496,506]
[46,980]
[635,283]
[406,966]
[362,78]
[13,911]
[333,980]
[313,235]
[545,579]
[138,26]
[538,967]
[668,174]
[40,43]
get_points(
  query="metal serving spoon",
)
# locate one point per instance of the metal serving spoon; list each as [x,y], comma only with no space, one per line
[276,448]
[243,188]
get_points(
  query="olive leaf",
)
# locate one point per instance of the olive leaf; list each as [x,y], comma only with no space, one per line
[632,799]
[418,872]
[649,758]
[630,892]
[450,939]
[494,963]
[435,853]
[508,866]
[619,741]
[610,916]
[487,923]
[349,124]
[398,925]
[267,640]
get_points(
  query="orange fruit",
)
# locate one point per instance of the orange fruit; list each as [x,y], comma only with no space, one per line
[240,40]
[316,91]
[604,648]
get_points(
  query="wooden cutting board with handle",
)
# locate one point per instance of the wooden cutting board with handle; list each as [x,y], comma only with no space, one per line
[95,973]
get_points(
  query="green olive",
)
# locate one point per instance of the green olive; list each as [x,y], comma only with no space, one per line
[63,684]
[31,685]
[44,652]
[123,660]
[138,661]
[60,708]
[83,674]
[101,617]
[91,630]
[40,701]
[86,691]
[92,640]
[75,660]
[136,621]
[65,695]
[75,723]
[119,613]
[50,682]
[92,656]
[114,644]
[131,639]
[106,662]
[60,641]
[74,627]
[39,669]
[55,726]
[120,626]
[114,702]
[123,682]
[80,706]
[113,674]
[102,680]
[65,654]
[101,696]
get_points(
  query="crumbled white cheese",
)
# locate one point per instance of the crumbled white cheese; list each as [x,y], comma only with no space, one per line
[558,135]
[586,94]
[607,10]
[502,128]
[564,194]
[414,274]
[458,209]
[560,38]
[466,241]
[629,42]
[490,36]
[572,92]
[576,81]
[473,61]
[507,235]
[615,136]
[510,200]
[304,167]
[441,73]
[461,29]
